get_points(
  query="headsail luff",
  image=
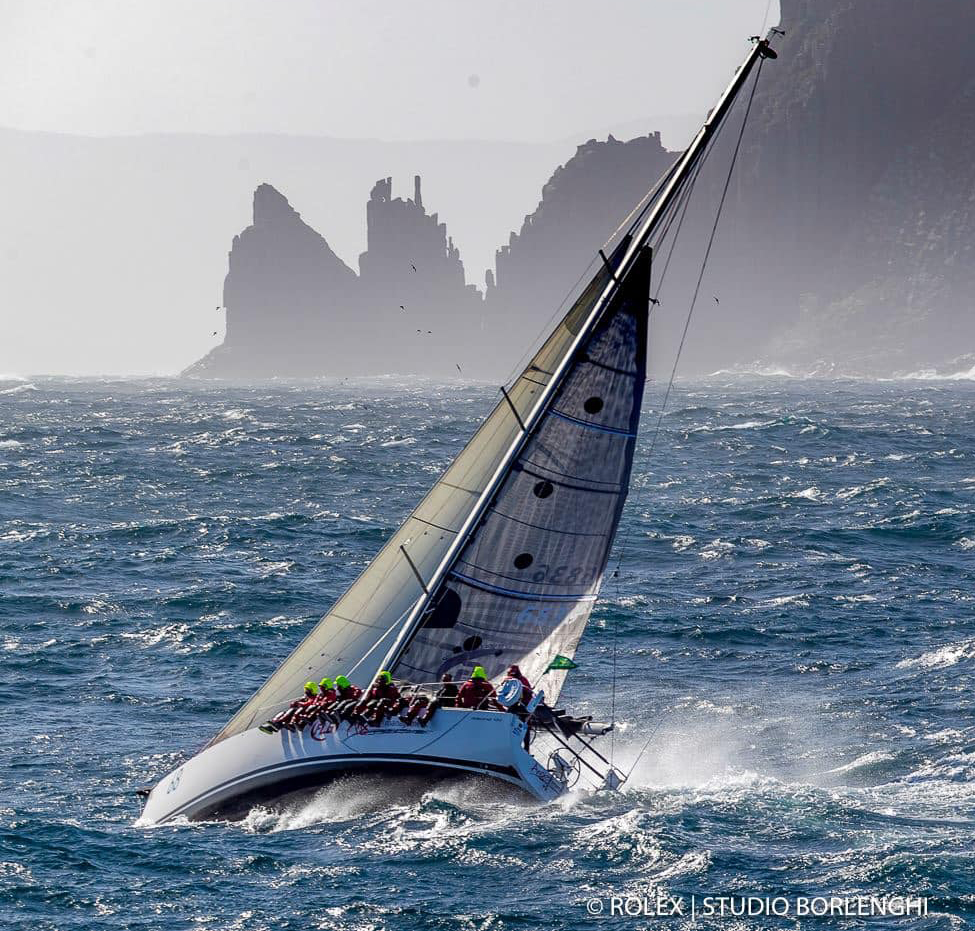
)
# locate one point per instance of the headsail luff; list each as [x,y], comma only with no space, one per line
[523,586]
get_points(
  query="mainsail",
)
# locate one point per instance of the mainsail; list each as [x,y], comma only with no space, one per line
[522,588]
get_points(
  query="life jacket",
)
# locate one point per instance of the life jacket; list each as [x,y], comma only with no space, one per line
[349,692]
[326,697]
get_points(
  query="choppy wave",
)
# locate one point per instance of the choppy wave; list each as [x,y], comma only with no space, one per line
[942,657]
[934,375]
[791,628]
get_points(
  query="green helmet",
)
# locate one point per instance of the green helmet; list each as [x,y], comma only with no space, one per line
[342,682]
[326,683]
[478,673]
[385,677]
[311,687]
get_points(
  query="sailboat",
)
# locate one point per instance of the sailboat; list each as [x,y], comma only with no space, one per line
[499,564]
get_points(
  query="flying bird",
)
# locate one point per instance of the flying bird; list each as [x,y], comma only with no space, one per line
[214,332]
[412,266]
[401,307]
[219,307]
[716,301]
[458,368]
[654,301]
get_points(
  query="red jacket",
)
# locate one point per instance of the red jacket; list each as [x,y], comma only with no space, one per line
[476,693]
[387,691]
[326,697]
[349,692]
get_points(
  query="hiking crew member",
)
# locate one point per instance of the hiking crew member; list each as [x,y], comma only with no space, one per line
[382,699]
[326,698]
[290,716]
[446,698]
[417,704]
[477,692]
[346,698]
[447,695]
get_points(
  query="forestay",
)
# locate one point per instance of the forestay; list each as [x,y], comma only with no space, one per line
[523,586]
[364,623]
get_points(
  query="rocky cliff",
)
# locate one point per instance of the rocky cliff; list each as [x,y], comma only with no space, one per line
[845,245]
[294,309]
[283,294]
[848,244]
[582,205]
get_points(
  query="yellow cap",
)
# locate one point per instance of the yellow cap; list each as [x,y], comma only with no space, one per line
[326,683]
[311,687]
[478,673]
[342,682]
[386,677]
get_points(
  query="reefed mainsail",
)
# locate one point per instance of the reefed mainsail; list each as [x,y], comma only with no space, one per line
[366,621]
[523,586]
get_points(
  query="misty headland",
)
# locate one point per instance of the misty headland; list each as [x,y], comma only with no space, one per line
[844,247]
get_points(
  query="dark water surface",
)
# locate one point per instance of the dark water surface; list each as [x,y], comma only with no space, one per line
[794,620]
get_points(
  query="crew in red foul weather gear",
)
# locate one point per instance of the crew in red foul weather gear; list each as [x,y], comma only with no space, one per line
[381,700]
[346,698]
[477,692]
[326,699]
[295,713]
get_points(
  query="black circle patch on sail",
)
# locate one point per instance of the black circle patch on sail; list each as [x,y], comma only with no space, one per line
[543,489]
[523,560]
[593,405]
[445,610]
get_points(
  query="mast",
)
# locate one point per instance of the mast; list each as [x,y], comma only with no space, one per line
[632,250]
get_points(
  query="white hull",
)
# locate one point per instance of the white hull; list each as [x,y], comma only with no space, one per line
[253,765]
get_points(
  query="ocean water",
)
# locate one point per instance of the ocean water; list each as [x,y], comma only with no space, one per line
[793,627]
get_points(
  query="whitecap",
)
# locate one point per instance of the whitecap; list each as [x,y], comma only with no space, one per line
[19,389]
[10,444]
[758,371]
[867,759]
[402,441]
[716,549]
[934,375]
[942,658]
[782,600]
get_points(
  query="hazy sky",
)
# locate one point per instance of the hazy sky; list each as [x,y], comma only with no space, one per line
[390,69]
